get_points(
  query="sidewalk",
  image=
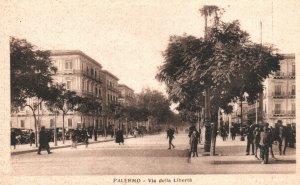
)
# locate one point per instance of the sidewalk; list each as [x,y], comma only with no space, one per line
[234,153]
[26,148]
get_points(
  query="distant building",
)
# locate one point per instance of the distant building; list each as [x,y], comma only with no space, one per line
[126,94]
[279,97]
[110,95]
[278,100]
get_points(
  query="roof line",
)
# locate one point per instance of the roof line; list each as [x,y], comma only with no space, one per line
[73,52]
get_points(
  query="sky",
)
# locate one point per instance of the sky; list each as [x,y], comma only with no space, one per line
[128,37]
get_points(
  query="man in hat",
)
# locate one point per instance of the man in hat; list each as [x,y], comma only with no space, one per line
[44,140]
[265,142]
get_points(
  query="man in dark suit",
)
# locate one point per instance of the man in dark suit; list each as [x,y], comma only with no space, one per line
[265,142]
[170,135]
[44,140]
[250,139]
[282,139]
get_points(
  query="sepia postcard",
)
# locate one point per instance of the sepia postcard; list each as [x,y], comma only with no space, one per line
[149,92]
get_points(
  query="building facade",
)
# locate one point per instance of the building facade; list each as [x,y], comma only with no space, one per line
[278,100]
[126,94]
[279,97]
[110,96]
[79,73]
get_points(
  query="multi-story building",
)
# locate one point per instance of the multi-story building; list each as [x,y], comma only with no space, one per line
[279,97]
[79,73]
[110,95]
[277,102]
[126,94]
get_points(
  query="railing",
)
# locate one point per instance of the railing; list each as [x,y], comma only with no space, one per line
[291,112]
[292,75]
[278,94]
[88,74]
[279,75]
[292,94]
[278,112]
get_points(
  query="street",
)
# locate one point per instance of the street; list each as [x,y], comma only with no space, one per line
[147,156]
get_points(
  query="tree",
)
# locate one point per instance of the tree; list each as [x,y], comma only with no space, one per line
[31,71]
[65,101]
[31,76]
[155,104]
[226,62]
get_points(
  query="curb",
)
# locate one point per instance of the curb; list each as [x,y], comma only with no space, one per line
[64,146]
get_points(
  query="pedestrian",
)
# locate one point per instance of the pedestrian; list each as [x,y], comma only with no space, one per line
[45,138]
[250,139]
[223,133]
[232,131]
[272,138]
[194,140]
[31,137]
[170,135]
[135,132]
[95,134]
[256,139]
[120,136]
[74,138]
[282,139]
[265,142]
[13,139]
[85,137]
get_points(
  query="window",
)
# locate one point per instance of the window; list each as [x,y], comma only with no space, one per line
[293,108]
[277,89]
[87,86]
[83,85]
[68,64]
[69,122]
[96,90]
[69,85]
[293,89]
[293,70]
[51,123]
[99,91]
[22,123]
[277,108]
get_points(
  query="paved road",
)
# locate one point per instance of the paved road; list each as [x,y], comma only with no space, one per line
[147,155]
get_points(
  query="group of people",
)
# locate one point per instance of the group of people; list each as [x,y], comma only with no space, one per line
[261,137]
[17,138]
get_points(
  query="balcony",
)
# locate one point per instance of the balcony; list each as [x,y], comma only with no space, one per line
[292,75]
[292,94]
[278,94]
[66,71]
[90,76]
[112,89]
[291,113]
[278,113]
[279,75]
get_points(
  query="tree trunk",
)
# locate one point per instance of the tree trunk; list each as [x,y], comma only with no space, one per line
[207,122]
[214,134]
[55,134]
[63,128]
[36,130]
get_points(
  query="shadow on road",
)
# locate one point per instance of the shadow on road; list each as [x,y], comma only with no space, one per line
[253,162]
